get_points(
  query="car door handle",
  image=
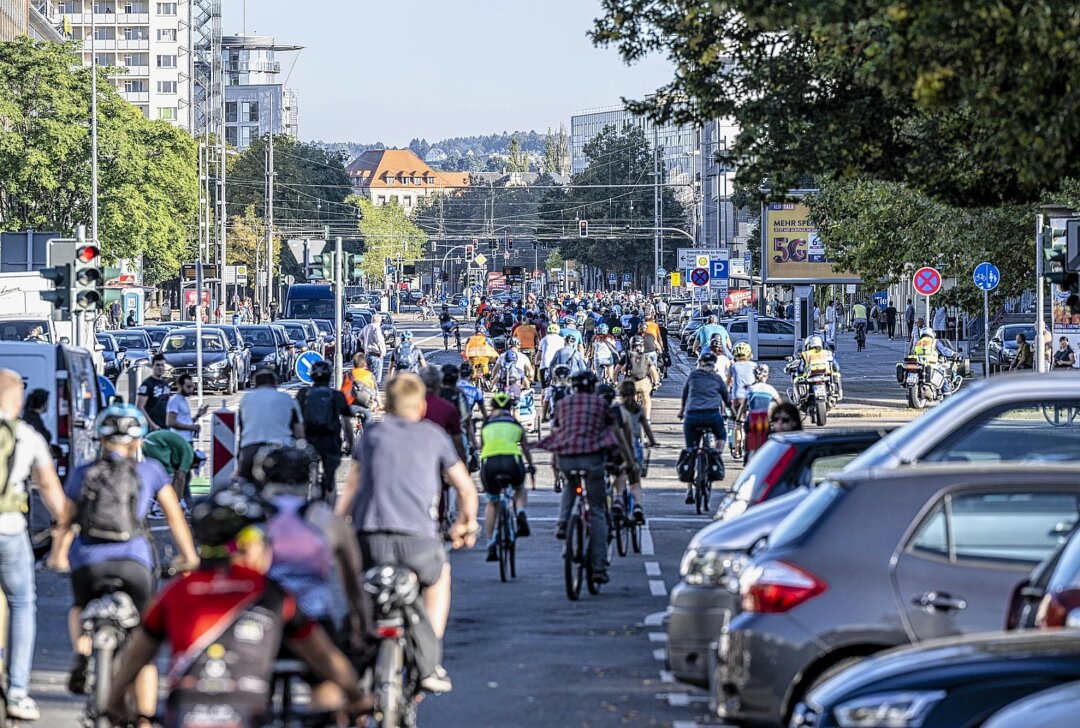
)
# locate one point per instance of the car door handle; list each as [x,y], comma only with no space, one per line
[939,602]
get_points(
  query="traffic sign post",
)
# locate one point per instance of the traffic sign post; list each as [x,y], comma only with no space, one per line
[927,281]
[986,277]
[699,277]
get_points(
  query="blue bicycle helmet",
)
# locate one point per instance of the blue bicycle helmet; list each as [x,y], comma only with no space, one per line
[602,329]
[406,335]
[121,423]
[511,357]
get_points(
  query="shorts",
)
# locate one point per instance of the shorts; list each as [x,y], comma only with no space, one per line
[497,464]
[422,554]
[90,582]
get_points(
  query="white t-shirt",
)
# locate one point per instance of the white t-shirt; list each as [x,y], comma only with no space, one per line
[549,346]
[178,405]
[31,451]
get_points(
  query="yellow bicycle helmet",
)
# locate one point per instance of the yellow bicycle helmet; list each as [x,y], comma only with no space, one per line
[742,350]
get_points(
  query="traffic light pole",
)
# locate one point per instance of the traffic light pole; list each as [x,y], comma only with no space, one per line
[339,307]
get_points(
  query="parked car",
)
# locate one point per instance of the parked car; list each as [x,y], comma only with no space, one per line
[113,355]
[675,314]
[944,547]
[137,346]
[389,331]
[956,683]
[1025,610]
[776,337]
[264,349]
[304,334]
[218,368]
[1056,706]
[283,340]
[156,333]
[239,352]
[1003,344]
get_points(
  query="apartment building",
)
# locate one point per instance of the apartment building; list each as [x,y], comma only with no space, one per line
[31,18]
[146,44]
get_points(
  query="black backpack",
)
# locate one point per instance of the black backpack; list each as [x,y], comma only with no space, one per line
[639,366]
[318,410]
[107,509]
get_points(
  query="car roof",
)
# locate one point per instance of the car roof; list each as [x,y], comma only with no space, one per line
[985,472]
[821,437]
[192,330]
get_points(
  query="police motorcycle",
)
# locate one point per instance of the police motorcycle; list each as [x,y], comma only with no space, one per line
[929,377]
[817,388]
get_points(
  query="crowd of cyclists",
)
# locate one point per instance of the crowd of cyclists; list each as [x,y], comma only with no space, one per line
[261,558]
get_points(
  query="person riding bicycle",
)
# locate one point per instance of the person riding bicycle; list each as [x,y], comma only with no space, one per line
[449,325]
[224,623]
[639,368]
[479,352]
[723,362]
[569,355]
[513,371]
[327,424]
[504,445]
[570,332]
[705,333]
[742,376]
[761,398]
[651,342]
[528,335]
[584,431]
[108,502]
[603,354]
[859,316]
[360,388]
[406,356]
[424,304]
[639,425]
[391,495]
[473,397]
[311,545]
[704,396]
[177,457]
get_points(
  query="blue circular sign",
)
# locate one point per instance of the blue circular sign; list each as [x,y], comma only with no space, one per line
[699,277]
[304,364]
[108,391]
[986,276]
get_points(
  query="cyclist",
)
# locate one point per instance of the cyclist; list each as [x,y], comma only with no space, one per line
[761,398]
[327,424]
[473,396]
[113,543]
[360,388]
[640,369]
[308,541]
[550,345]
[528,336]
[479,352]
[569,355]
[639,425]
[406,356]
[858,320]
[705,333]
[449,325]
[723,362]
[449,390]
[424,304]
[603,354]
[742,376]
[653,348]
[177,457]
[570,332]
[224,624]
[266,417]
[513,371]
[504,445]
[393,487]
[616,462]
[703,397]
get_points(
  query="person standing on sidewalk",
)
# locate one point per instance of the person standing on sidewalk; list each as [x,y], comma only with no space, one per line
[890,320]
[152,396]
[909,318]
[23,454]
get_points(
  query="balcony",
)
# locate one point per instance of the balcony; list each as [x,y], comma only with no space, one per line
[133,71]
[135,44]
[136,97]
[253,67]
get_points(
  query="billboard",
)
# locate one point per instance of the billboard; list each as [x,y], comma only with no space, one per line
[791,249]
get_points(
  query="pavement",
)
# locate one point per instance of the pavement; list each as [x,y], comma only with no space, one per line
[520,653]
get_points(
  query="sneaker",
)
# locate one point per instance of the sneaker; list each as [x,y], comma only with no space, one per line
[437,682]
[522,526]
[23,708]
[617,513]
[77,677]
[493,554]
[601,577]
[639,515]
[560,531]
[690,497]
[558,486]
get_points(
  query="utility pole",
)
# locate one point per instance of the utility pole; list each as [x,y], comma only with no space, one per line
[270,214]
[93,128]
[339,306]
[224,217]
[656,204]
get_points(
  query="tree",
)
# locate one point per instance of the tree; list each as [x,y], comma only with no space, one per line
[969,102]
[554,260]
[387,232]
[557,151]
[517,160]
[247,236]
[420,147]
[147,187]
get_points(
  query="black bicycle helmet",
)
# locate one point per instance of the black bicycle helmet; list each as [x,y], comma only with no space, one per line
[606,391]
[637,343]
[284,465]
[585,381]
[561,372]
[466,370]
[321,372]
[217,520]
[451,374]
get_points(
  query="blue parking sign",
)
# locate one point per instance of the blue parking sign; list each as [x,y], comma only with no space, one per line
[718,269]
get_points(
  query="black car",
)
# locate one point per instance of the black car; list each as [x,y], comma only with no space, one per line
[180,351]
[266,349]
[1003,344]
[954,683]
[136,345]
[156,334]
[113,355]
[238,352]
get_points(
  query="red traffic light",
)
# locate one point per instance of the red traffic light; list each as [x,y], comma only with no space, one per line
[87,254]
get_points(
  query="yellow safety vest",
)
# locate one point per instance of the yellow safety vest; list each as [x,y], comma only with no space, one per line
[815,359]
[926,349]
[858,311]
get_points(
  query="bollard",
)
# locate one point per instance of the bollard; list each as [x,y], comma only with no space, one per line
[222,448]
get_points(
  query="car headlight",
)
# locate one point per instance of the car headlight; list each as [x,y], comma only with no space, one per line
[888,710]
[270,358]
[711,567]
[218,365]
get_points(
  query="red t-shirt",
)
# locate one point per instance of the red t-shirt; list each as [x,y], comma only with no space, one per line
[193,604]
[444,414]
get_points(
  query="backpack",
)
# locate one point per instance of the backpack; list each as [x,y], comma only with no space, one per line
[12,500]
[318,410]
[107,509]
[406,356]
[603,353]
[639,366]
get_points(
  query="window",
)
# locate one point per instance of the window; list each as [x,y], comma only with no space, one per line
[134,87]
[829,464]
[67,7]
[103,59]
[166,87]
[166,34]
[99,8]
[999,526]
[1047,431]
[249,111]
[166,113]
[230,135]
[230,112]
[134,33]
[166,61]
[408,200]
[247,133]
[381,200]
[166,8]
[105,34]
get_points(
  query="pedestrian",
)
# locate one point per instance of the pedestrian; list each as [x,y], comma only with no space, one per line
[873,320]
[266,417]
[890,320]
[373,343]
[24,454]
[131,320]
[789,311]
[830,321]
[152,396]
[909,318]
[166,311]
[114,315]
[178,412]
[1064,358]
[938,322]
[1025,357]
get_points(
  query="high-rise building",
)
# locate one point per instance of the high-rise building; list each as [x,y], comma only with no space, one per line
[31,18]
[256,100]
[146,42]
[679,143]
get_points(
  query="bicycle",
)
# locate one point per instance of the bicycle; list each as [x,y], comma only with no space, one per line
[395,592]
[506,528]
[577,562]
[702,468]
[860,335]
[627,530]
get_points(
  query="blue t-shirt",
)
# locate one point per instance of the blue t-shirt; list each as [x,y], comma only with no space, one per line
[152,479]
[572,333]
[473,395]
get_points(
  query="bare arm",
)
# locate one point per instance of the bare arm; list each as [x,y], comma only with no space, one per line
[649,431]
[140,402]
[170,503]
[137,654]
[464,531]
[348,493]
[326,661]
[52,493]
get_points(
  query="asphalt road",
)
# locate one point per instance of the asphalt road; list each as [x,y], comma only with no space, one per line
[520,653]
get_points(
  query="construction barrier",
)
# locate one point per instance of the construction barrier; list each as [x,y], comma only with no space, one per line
[222,448]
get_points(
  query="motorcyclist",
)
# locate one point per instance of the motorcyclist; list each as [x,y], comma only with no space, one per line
[814,356]
[929,349]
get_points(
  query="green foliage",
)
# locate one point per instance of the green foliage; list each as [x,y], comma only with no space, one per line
[970,102]
[388,233]
[557,151]
[148,184]
[516,161]
[554,260]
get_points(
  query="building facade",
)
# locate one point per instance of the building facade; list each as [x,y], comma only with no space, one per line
[256,100]
[399,176]
[36,19]
[679,143]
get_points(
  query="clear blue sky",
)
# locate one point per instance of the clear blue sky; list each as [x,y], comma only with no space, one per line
[390,71]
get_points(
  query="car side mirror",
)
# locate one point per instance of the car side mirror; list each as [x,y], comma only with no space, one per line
[99,347]
[996,340]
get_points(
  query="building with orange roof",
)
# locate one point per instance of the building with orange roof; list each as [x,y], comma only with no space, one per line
[398,175]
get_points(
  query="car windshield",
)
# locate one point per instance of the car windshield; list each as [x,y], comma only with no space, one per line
[107,342]
[230,335]
[310,308]
[259,336]
[24,331]
[132,340]
[156,336]
[1012,331]
[325,327]
[185,341]
[295,332]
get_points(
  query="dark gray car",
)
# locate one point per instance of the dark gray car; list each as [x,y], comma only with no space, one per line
[877,559]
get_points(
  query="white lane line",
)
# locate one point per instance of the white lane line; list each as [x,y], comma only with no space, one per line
[680,519]
[657,637]
[660,655]
[647,548]
[685,724]
[652,568]
[666,676]
[655,619]
[678,700]
[657,588]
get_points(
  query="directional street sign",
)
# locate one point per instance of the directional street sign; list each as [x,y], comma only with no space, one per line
[688,257]
[927,281]
[304,364]
[987,276]
[296,246]
[661,273]
[699,277]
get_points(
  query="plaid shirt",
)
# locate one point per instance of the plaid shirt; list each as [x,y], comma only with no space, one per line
[584,426]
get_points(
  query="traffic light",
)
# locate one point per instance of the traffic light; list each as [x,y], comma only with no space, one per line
[469,252]
[492,244]
[534,244]
[60,296]
[322,267]
[509,243]
[583,228]
[1064,254]
[87,293]
[354,265]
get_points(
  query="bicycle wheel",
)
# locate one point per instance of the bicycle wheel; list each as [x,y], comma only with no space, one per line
[388,687]
[573,563]
[103,665]
[512,545]
[620,525]
[636,530]
[502,544]
[701,477]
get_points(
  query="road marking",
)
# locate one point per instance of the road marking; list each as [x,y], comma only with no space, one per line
[657,637]
[652,568]
[678,519]
[647,548]
[684,724]
[678,700]
[660,655]
[657,588]
[667,676]
[655,619]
